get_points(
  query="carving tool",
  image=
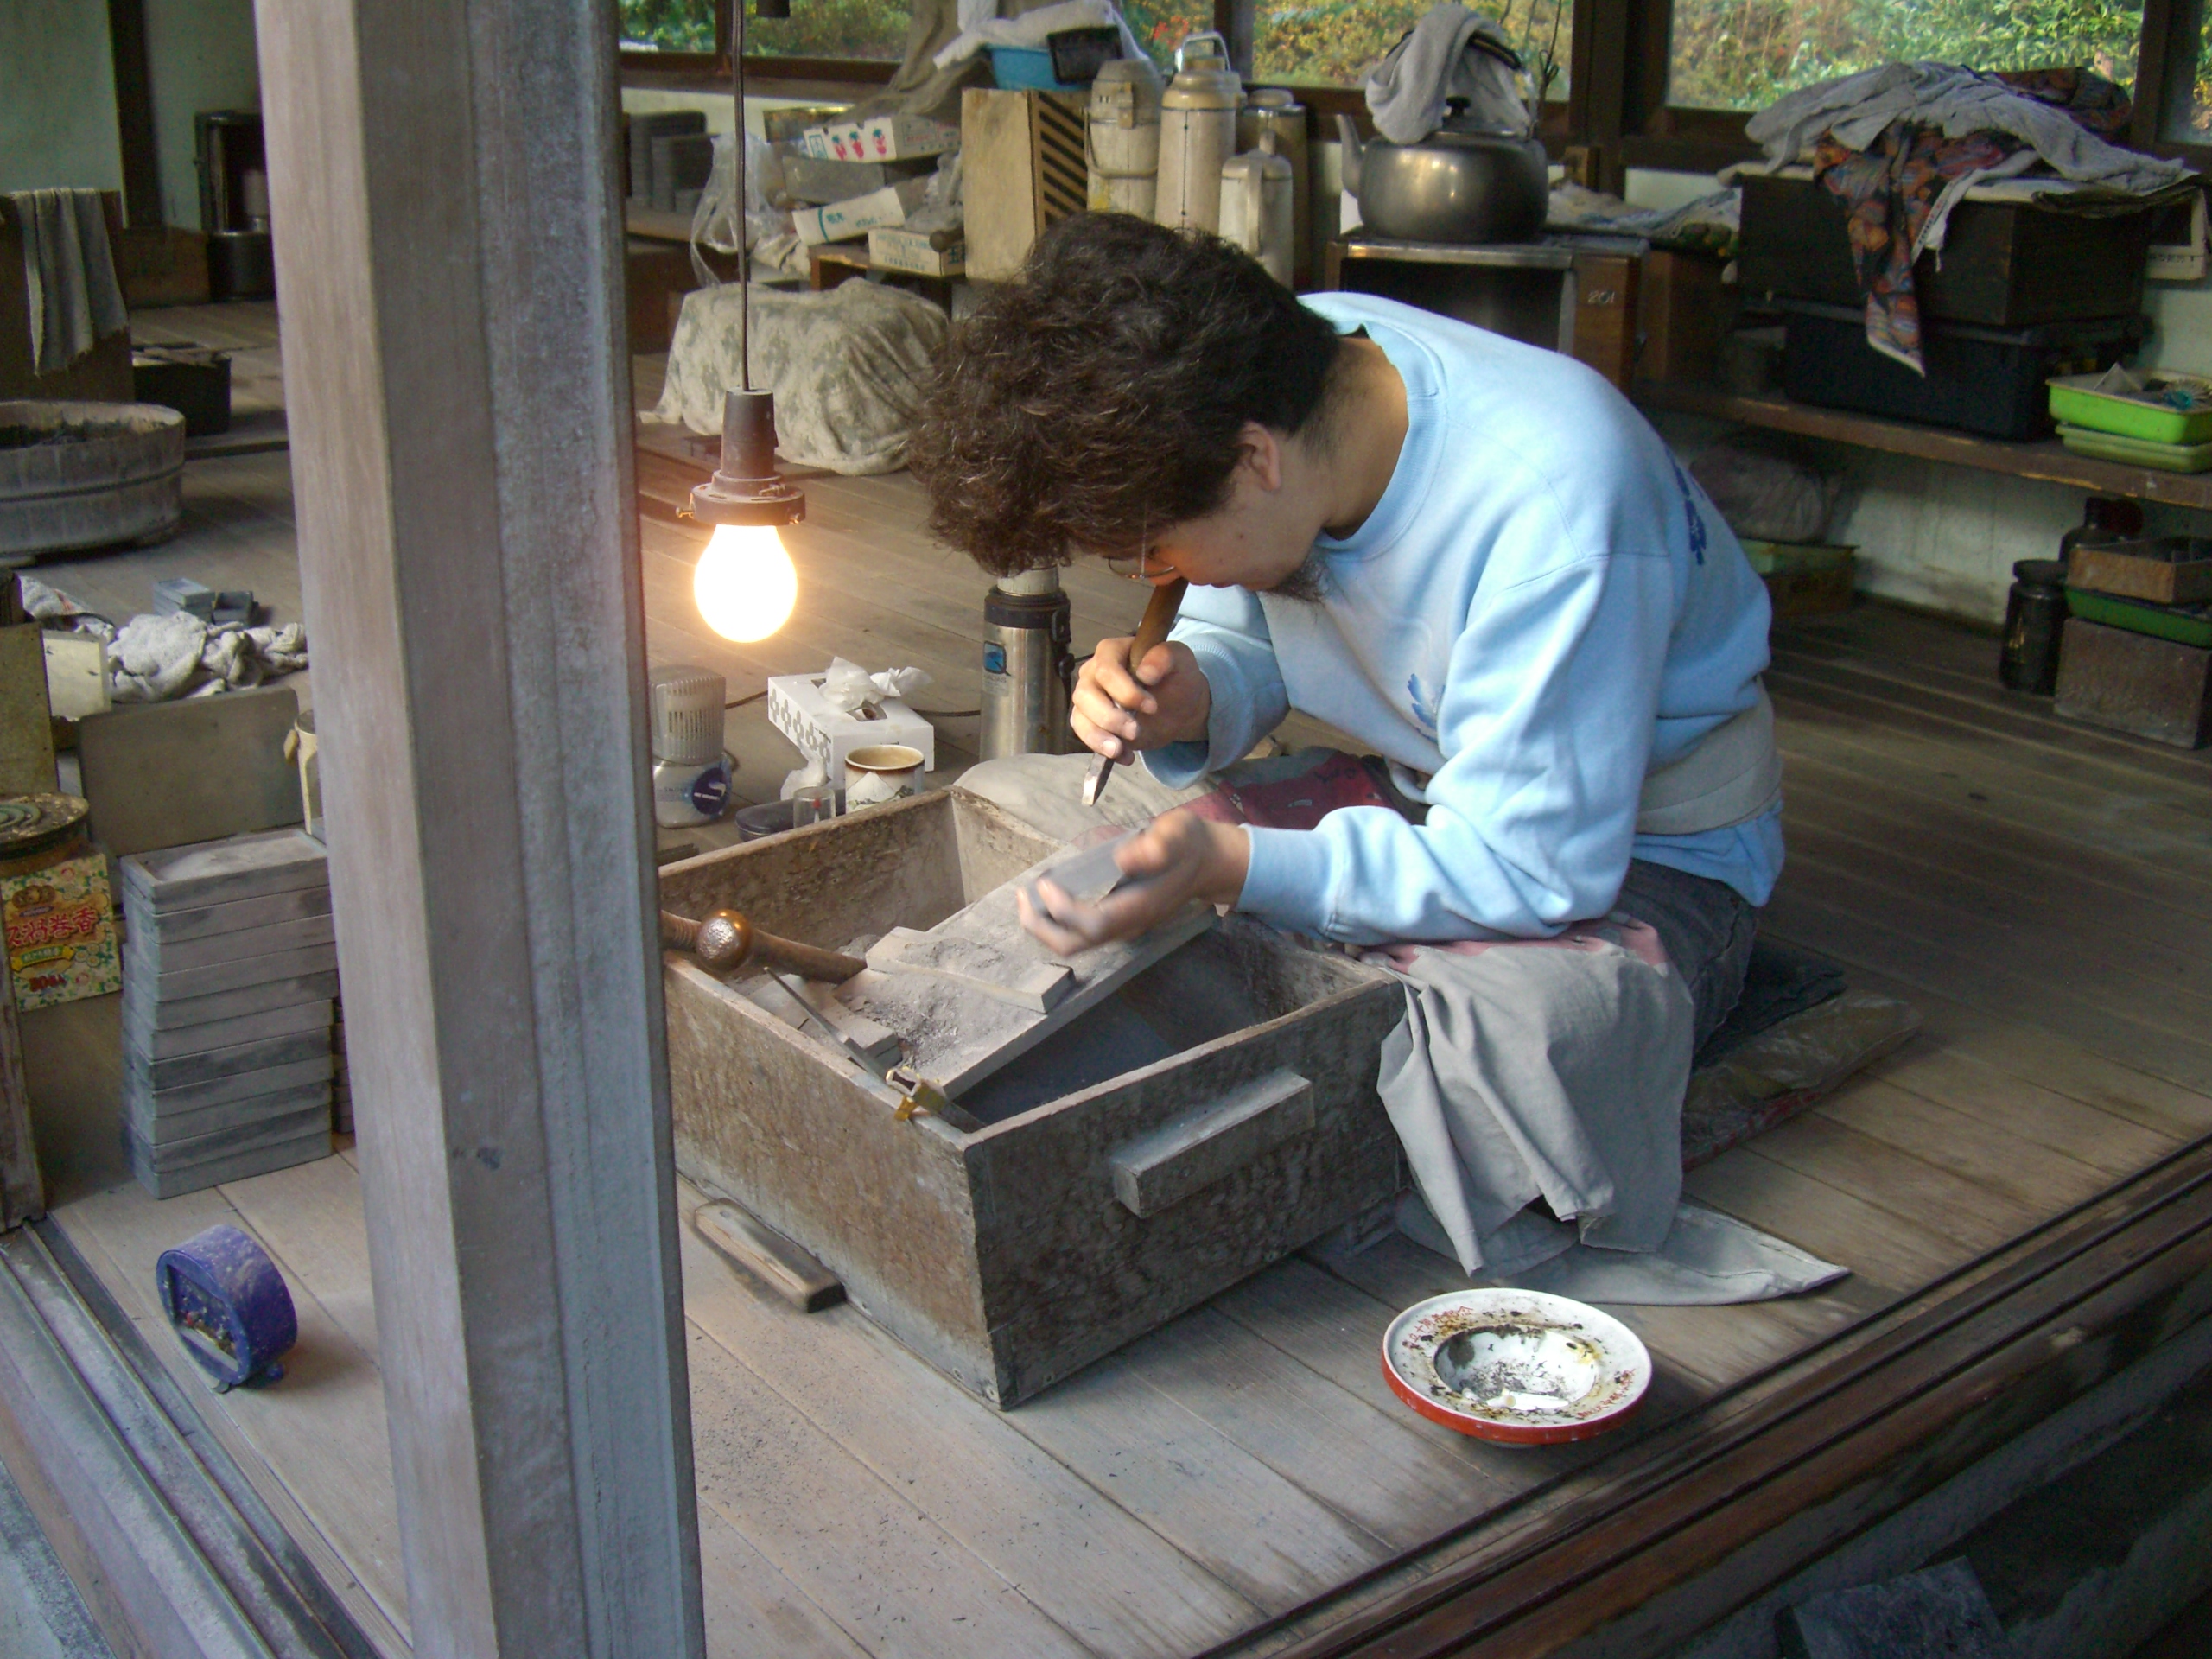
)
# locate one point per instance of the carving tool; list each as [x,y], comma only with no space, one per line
[1159,617]
[725,942]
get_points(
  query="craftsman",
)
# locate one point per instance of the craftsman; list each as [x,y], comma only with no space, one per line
[1475,556]
[1471,554]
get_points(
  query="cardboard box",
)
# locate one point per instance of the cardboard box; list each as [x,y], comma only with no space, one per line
[902,138]
[841,221]
[1804,579]
[811,179]
[911,250]
[836,141]
[60,929]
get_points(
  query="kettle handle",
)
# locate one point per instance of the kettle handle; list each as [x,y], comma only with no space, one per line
[1218,50]
[1348,134]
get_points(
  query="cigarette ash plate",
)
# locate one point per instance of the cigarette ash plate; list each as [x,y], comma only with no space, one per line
[1516,1366]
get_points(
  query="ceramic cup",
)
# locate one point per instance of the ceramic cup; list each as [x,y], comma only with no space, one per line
[881,772]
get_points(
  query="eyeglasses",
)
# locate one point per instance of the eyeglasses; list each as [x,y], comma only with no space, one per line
[1138,567]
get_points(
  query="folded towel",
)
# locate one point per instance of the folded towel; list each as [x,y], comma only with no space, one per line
[75,301]
[1450,52]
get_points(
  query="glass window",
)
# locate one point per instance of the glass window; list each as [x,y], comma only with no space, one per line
[1336,42]
[1160,26]
[667,25]
[1743,54]
[830,28]
[2188,75]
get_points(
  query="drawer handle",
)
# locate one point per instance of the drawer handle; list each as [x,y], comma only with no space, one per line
[1191,1153]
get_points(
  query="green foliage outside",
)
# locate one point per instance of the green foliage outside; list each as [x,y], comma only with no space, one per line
[1743,54]
[670,25]
[1336,42]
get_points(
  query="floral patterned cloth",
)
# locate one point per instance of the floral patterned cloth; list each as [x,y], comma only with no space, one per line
[1914,170]
[848,367]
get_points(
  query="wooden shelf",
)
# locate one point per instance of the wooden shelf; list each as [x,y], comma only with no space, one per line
[2048,460]
[652,222]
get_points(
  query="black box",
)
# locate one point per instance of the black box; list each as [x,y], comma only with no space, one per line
[1984,380]
[193,382]
[2005,264]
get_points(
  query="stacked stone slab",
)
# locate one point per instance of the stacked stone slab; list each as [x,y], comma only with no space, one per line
[229,976]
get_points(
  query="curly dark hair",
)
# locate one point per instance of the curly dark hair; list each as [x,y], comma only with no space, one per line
[1099,399]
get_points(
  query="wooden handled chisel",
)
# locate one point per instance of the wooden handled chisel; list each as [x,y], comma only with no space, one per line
[1159,617]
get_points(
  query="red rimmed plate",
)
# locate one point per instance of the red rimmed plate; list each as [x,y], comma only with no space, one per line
[1516,1366]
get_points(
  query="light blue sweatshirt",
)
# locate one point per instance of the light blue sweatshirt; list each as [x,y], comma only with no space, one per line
[1542,606]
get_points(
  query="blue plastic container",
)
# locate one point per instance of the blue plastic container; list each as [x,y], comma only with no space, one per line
[229,1304]
[1026,69]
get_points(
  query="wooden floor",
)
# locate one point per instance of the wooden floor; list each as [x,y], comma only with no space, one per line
[2042,893]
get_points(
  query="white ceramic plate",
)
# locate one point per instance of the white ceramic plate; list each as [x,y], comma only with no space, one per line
[1517,1366]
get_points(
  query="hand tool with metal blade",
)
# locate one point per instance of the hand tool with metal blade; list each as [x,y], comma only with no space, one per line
[1159,617]
[726,942]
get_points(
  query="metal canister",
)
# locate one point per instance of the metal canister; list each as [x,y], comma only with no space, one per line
[1276,110]
[1198,132]
[1028,667]
[2035,623]
[1257,207]
[1122,138]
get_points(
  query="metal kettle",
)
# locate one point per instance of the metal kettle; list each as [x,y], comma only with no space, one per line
[1463,183]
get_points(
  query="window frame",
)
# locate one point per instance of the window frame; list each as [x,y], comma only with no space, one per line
[1615,111]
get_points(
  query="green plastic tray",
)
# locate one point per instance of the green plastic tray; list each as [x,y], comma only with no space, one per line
[2189,626]
[2072,403]
[2137,452]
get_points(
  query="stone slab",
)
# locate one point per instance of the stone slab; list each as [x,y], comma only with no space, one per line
[199,922]
[288,1048]
[170,1128]
[154,954]
[196,983]
[166,1043]
[160,774]
[141,1096]
[303,1149]
[224,871]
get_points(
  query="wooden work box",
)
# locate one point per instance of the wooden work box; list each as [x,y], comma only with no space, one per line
[2005,264]
[1012,1255]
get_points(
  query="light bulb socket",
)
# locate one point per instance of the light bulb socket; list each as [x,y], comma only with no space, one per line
[746,488]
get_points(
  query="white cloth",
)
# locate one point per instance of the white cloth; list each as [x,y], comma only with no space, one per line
[1856,108]
[154,658]
[75,301]
[1437,59]
[848,367]
[1031,28]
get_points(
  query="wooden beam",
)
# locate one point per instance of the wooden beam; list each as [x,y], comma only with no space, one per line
[449,250]
[134,114]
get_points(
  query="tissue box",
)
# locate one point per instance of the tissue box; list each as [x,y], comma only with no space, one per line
[890,248]
[822,731]
[841,221]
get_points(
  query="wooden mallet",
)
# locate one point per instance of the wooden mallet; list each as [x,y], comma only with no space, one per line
[726,942]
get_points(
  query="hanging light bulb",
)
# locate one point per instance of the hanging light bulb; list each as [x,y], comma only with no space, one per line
[745,586]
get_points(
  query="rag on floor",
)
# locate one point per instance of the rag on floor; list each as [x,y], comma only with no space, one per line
[156,659]
[1449,53]
[1526,1074]
[75,301]
[1902,145]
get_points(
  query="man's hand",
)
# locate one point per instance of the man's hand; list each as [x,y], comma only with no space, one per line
[1116,712]
[1179,857]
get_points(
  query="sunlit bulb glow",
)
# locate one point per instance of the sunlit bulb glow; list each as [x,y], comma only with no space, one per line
[745,586]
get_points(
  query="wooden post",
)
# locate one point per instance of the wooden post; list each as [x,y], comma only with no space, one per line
[448,251]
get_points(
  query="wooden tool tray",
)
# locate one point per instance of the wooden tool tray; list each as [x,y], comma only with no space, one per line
[1097,1202]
